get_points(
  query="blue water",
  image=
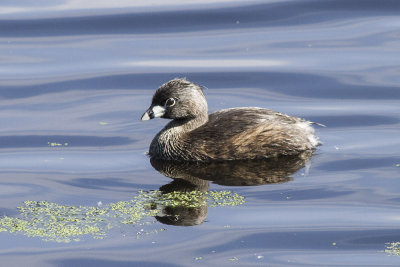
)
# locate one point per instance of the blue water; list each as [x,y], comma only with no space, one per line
[75,77]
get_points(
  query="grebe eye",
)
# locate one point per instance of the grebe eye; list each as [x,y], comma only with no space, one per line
[170,102]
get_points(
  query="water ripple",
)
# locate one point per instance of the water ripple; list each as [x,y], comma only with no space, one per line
[258,15]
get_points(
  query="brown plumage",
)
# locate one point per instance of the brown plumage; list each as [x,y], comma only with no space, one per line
[229,134]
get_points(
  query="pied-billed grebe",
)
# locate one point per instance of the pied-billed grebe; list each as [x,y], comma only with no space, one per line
[229,134]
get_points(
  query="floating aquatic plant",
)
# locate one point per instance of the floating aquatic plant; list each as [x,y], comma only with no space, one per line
[393,248]
[63,223]
[55,144]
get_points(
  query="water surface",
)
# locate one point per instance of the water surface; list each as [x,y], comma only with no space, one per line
[75,79]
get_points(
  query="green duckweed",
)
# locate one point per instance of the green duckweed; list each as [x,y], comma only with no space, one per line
[55,144]
[393,248]
[63,223]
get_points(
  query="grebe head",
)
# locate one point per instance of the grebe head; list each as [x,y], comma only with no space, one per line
[177,99]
